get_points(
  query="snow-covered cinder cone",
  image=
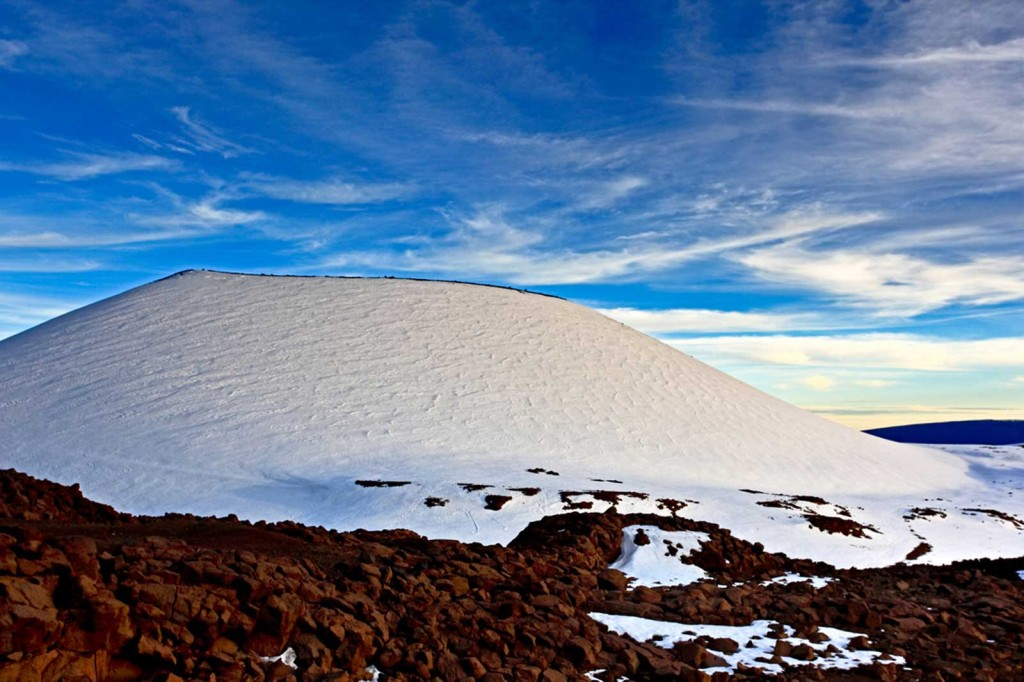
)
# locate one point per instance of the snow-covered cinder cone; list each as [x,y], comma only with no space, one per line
[348,402]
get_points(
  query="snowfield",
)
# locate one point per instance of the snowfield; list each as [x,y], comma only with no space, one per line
[350,403]
[756,643]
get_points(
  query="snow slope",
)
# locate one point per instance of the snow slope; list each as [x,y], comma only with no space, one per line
[269,397]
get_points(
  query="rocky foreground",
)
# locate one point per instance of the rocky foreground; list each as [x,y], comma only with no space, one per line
[87,593]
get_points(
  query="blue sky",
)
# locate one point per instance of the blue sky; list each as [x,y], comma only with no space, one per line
[825,199]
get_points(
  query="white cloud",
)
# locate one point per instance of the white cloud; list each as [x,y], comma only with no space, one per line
[817,382]
[921,90]
[47,264]
[611,192]
[874,383]
[691,320]
[83,166]
[971,51]
[10,50]
[890,283]
[153,144]
[203,214]
[486,243]
[20,311]
[204,138]
[70,232]
[61,240]
[331,191]
[1019,379]
[206,212]
[898,415]
[790,107]
[578,152]
[892,351]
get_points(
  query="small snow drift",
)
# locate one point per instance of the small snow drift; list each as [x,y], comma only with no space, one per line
[285,397]
[661,558]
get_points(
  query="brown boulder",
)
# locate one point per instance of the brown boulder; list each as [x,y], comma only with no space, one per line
[580,652]
[552,675]
[724,644]
[151,648]
[104,624]
[803,652]
[612,579]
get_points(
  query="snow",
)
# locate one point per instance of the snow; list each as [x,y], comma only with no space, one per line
[593,675]
[269,397]
[287,657]
[754,642]
[653,565]
[817,582]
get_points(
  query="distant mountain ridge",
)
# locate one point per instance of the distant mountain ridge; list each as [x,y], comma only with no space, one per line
[971,432]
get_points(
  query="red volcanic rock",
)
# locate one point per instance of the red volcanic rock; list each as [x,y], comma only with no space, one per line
[919,551]
[836,524]
[87,593]
[495,502]
[724,644]
[25,498]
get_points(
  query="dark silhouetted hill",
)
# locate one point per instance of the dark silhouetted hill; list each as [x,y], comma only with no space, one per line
[974,432]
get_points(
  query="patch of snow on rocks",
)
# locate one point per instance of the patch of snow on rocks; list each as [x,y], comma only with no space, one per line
[593,675]
[660,562]
[287,657]
[790,578]
[755,643]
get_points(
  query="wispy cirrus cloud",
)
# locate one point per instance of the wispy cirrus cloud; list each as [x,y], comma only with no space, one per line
[879,350]
[83,166]
[561,151]
[698,320]
[874,383]
[207,212]
[806,108]
[488,243]
[328,191]
[10,50]
[969,52]
[18,311]
[200,136]
[881,415]
[890,283]
[173,211]
[817,382]
[64,240]
[915,93]
[48,265]
[608,193]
